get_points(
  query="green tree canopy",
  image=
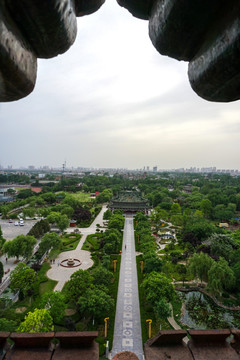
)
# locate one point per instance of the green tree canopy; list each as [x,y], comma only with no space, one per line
[79,282]
[49,241]
[116,222]
[96,303]
[8,325]
[102,276]
[162,309]
[220,277]
[221,245]
[199,265]
[54,302]
[152,262]
[37,321]
[1,271]
[157,286]
[22,278]
[22,245]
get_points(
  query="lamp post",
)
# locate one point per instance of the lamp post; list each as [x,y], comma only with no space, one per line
[149,321]
[114,265]
[106,324]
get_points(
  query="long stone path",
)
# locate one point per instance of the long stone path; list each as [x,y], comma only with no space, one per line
[127,330]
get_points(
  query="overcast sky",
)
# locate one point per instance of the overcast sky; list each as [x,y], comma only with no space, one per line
[112,101]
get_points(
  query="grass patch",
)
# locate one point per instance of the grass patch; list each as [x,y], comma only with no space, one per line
[82,197]
[70,242]
[47,286]
[177,307]
[92,242]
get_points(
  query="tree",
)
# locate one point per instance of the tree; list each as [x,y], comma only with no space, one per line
[24,194]
[176,209]
[104,196]
[199,265]
[111,242]
[37,321]
[49,241]
[79,282]
[55,303]
[49,197]
[8,325]
[96,303]
[157,286]
[107,215]
[62,222]
[220,277]
[22,278]
[223,213]
[181,272]
[1,271]
[152,262]
[102,276]
[162,309]
[53,217]
[29,212]
[116,222]
[200,228]
[22,245]
[81,214]
[221,245]
[67,210]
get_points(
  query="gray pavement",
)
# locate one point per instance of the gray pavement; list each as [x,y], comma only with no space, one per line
[10,231]
[127,330]
[63,274]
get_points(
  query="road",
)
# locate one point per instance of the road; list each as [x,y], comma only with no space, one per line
[127,330]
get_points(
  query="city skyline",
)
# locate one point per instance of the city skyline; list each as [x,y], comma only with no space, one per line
[46,169]
[112,101]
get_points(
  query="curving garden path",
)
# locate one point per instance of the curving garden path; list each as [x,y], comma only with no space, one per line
[63,274]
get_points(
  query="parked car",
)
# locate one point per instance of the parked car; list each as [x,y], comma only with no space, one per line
[16,223]
[10,221]
[21,222]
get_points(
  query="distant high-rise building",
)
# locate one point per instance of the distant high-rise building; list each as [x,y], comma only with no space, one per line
[147,168]
[155,168]
[31,167]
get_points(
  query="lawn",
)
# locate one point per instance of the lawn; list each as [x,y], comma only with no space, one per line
[92,242]
[82,197]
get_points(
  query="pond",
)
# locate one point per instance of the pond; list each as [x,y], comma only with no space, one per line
[202,313]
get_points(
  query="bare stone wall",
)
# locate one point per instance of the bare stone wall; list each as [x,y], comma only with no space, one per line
[204,33]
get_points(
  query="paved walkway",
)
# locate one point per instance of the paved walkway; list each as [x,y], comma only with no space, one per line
[63,274]
[127,331]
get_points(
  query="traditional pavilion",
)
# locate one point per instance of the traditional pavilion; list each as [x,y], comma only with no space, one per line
[129,201]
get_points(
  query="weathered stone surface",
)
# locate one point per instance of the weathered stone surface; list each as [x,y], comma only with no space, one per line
[18,64]
[177,27]
[49,26]
[84,7]
[138,8]
[167,344]
[214,73]
[211,344]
